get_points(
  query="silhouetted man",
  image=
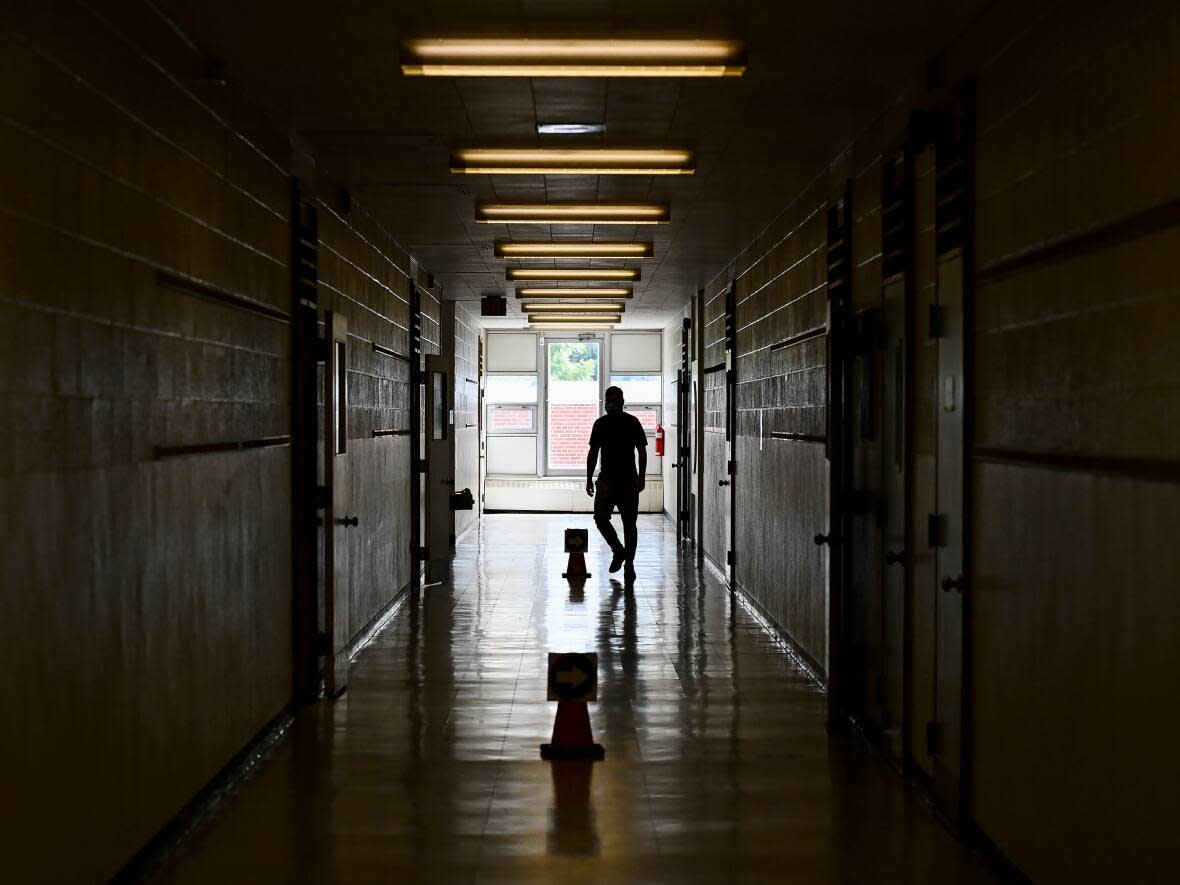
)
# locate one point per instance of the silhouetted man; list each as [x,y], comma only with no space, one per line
[618,435]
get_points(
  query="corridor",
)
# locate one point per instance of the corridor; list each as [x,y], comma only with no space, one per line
[718,764]
[320,323]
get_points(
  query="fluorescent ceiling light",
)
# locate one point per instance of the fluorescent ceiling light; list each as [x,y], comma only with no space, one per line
[570,273]
[571,213]
[571,318]
[572,250]
[570,128]
[441,57]
[572,161]
[574,293]
[566,308]
[565,329]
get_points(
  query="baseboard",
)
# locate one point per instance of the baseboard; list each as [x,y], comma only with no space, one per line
[149,859]
[995,859]
[780,634]
[365,635]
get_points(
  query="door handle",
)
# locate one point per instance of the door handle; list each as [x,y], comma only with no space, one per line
[955,583]
[675,466]
[723,482]
[348,521]
[820,540]
[892,558]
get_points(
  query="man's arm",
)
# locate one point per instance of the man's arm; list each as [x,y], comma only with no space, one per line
[641,445]
[591,460]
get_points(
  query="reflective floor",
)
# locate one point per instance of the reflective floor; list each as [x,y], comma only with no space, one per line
[718,767]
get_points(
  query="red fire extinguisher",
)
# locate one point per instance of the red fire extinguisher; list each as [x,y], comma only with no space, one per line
[659,439]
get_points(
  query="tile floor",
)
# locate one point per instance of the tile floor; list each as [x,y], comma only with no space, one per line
[718,766]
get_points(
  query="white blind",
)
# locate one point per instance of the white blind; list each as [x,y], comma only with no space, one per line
[511,352]
[635,352]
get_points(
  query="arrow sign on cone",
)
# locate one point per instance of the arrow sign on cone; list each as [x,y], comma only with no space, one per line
[573,676]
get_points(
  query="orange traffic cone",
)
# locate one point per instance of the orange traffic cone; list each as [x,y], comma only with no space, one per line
[576,567]
[572,736]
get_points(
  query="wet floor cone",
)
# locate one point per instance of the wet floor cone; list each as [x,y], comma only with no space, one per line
[576,567]
[576,541]
[572,737]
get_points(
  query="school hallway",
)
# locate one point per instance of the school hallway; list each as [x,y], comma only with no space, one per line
[718,765]
[317,320]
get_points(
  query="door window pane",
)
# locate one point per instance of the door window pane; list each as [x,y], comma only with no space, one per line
[638,388]
[512,419]
[510,389]
[574,369]
[649,418]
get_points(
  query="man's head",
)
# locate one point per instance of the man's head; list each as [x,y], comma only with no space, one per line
[614,400]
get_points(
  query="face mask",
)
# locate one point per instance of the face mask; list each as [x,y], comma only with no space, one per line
[613,408]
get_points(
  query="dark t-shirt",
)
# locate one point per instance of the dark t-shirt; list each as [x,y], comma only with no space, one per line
[616,437]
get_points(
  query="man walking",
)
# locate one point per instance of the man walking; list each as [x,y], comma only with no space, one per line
[618,436]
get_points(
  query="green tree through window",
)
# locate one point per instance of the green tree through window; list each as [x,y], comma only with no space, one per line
[573,361]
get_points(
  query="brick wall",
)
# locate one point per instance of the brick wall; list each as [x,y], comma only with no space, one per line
[511,419]
[569,434]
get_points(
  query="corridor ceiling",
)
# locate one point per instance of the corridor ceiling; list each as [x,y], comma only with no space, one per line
[817,74]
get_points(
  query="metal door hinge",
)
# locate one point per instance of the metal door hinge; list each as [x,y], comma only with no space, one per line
[421,554]
[936,530]
[934,321]
[423,465]
[729,557]
[933,739]
[730,468]
[323,645]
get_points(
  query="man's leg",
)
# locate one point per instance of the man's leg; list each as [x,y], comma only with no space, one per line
[629,512]
[604,503]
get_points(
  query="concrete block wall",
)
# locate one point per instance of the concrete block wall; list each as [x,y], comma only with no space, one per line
[1073,463]
[781,484]
[145,611]
[146,602]
[1075,612]
[365,277]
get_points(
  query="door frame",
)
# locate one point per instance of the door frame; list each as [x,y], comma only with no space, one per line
[543,393]
[337,519]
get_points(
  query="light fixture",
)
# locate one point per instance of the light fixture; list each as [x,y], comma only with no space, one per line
[571,213]
[570,128]
[508,249]
[559,327]
[566,308]
[569,273]
[572,161]
[572,318]
[443,57]
[574,293]
[605,316]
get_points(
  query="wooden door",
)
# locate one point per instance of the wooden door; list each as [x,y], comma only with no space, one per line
[948,526]
[897,242]
[338,521]
[715,482]
[839,258]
